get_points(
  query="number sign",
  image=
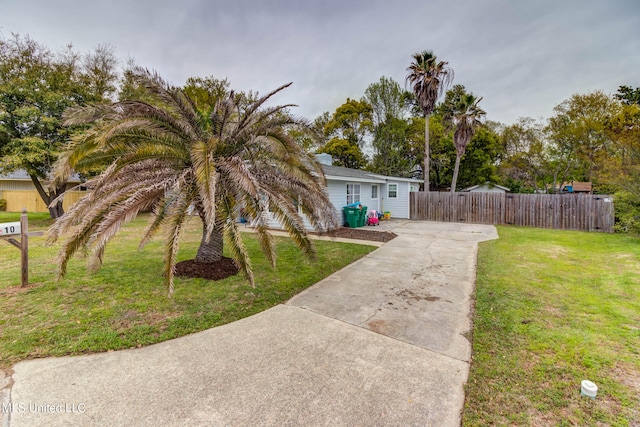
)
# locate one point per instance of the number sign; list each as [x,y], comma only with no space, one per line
[9,228]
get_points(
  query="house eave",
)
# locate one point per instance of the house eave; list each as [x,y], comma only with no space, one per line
[354,179]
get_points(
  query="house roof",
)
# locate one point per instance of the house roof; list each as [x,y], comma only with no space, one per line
[579,186]
[340,173]
[347,174]
[22,175]
[485,184]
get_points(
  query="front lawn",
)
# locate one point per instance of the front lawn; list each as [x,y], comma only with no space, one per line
[554,308]
[126,305]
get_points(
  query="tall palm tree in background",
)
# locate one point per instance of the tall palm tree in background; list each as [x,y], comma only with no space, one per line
[169,156]
[462,115]
[428,79]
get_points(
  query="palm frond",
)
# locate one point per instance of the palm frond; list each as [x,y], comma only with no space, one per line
[165,154]
[173,228]
[120,215]
[157,219]
[233,239]
[206,178]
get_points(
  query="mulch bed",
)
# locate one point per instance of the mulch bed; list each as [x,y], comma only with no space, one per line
[361,234]
[207,270]
[226,267]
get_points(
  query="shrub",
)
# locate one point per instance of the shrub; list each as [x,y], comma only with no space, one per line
[3,205]
[627,212]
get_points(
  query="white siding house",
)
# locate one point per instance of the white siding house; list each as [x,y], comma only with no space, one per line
[376,192]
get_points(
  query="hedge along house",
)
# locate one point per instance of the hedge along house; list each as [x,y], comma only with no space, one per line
[377,192]
[19,192]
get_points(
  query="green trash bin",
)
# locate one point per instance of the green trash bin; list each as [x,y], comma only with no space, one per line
[363,216]
[352,216]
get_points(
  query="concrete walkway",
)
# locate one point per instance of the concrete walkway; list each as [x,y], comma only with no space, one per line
[381,342]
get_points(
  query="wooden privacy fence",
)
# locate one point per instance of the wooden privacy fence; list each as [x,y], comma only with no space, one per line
[586,212]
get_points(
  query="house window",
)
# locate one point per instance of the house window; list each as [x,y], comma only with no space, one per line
[353,193]
[393,191]
[374,192]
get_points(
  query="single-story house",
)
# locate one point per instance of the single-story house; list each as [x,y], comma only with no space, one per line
[487,187]
[19,192]
[377,192]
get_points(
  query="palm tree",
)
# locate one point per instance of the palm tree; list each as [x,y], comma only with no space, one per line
[428,78]
[462,115]
[168,156]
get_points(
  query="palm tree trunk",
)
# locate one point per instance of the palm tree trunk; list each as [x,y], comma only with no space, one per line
[454,181]
[211,250]
[426,152]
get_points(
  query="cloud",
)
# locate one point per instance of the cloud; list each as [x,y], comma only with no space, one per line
[522,57]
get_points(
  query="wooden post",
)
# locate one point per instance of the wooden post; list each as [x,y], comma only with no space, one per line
[24,247]
[12,228]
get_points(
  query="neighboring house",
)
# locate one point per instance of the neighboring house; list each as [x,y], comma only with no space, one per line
[19,192]
[576,187]
[487,187]
[377,192]
[572,187]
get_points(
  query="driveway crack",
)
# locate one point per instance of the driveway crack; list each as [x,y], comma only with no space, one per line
[375,312]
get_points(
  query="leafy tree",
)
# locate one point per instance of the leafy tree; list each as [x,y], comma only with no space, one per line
[462,115]
[206,92]
[346,132]
[311,138]
[622,170]
[525,162]
[352,121]
[392,151]
[344,153]
[97,74]
[623,167]
[387,99]
[577,134]
[627,95]
[36,86]
[428,79]
[478,165]
[441,148]
[129,87]
[169,156]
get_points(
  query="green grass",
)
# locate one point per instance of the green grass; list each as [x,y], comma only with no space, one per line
[36,220]
[125,304]
[554,308]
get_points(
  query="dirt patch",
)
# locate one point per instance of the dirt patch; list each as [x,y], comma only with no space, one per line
[361,234]
[626,374]
[13,290]
[219,270]
[408,294]
[377,326]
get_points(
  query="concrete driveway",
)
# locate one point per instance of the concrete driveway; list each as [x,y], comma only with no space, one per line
[381,342]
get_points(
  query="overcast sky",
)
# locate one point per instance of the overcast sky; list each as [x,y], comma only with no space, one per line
[523,56]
